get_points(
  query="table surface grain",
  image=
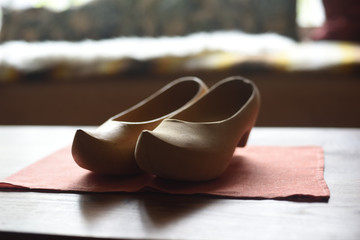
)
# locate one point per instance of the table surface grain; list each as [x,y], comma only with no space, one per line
[39,215]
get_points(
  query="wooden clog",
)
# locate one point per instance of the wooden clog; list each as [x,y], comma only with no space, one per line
[197,144]
[110,148]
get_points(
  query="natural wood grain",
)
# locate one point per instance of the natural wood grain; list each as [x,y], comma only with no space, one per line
[160,216]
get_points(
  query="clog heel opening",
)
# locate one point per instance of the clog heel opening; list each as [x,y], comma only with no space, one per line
[220,103]
[165,103]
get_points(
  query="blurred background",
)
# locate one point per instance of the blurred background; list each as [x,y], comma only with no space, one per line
[79,62]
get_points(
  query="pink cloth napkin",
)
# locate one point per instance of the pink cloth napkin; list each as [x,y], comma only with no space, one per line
[258,172]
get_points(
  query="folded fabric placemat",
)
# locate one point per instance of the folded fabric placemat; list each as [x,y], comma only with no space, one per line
[256,172]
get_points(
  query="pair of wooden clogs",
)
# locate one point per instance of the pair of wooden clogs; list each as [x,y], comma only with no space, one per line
[184,131]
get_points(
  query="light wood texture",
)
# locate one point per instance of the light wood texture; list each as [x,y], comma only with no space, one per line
[35,215]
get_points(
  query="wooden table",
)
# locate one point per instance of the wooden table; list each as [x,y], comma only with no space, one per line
[34,215]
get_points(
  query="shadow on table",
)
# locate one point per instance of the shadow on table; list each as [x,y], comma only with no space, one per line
[151,209]
[159,210]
